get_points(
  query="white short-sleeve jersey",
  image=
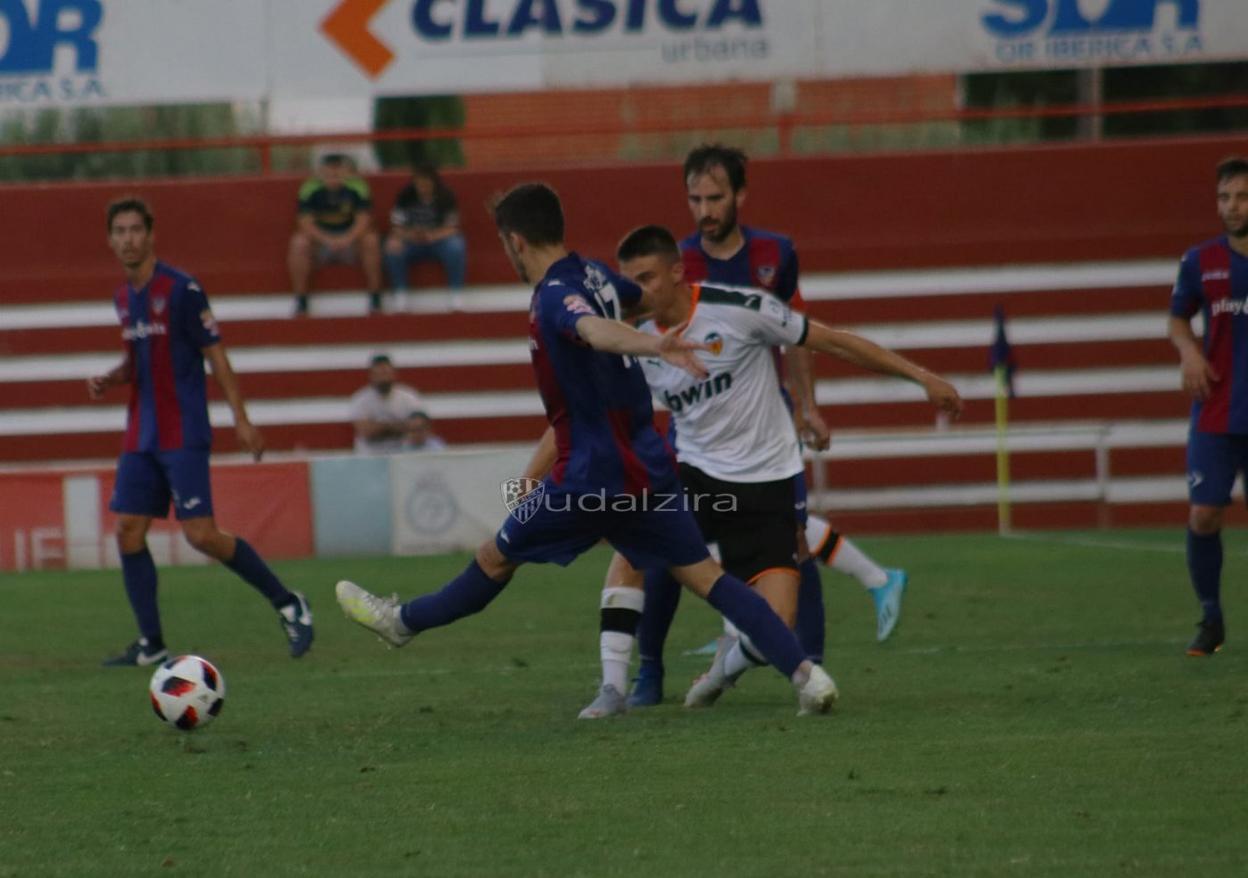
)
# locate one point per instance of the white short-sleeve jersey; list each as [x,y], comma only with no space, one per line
[734,425]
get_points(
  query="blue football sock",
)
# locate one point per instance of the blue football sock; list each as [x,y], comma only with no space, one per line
[464,595]
[662,599]
[810,617]
[138,571]
[1204,563]
[248,565]
[740,605]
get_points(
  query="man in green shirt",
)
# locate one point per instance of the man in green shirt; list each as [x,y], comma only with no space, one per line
[334,226]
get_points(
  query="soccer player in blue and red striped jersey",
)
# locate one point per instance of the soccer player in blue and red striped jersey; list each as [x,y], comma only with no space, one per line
[1213,280]
[724,251]
[614,475]
[168,331]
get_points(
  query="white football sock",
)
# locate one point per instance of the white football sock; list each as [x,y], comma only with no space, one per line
[850,559]
[616,647]
[738,660]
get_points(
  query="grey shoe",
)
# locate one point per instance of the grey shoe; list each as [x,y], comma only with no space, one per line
[610,702]
[377,614]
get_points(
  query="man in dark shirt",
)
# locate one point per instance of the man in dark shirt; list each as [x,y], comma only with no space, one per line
[424,226]
[334,225]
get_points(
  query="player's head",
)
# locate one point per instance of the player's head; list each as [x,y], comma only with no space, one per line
[130,235]
[715,186]
[1233,195]
[334,169]
[381,374]
[529,217]
[650,258]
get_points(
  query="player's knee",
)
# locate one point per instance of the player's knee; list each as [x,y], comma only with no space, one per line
[204,538]
[493,562]
[300,246]
[1205,519]
[131,535]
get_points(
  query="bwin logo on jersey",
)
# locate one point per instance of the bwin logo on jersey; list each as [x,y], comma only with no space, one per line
[690,396]
[523,497]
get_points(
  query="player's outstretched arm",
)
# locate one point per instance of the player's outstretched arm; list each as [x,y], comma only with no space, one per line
[1196,373]
[248,436]
[119,374]
[811,426]
[613,337]
[869,355]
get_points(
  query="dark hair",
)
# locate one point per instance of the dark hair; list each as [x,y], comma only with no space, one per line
[648,241]
[380,360]
[532,211]
[335,159]
[1232,167]
[705,158]
[131,204]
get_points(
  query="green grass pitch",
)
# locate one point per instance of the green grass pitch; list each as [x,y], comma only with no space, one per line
[1033,715]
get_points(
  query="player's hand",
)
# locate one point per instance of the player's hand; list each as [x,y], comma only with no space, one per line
[681,352]
[249,437]
[814,429]
[96,385]
[1198,376]
[944,396]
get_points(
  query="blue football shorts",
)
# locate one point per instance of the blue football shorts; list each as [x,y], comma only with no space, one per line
[148,481]
[1213,461]
[652,531]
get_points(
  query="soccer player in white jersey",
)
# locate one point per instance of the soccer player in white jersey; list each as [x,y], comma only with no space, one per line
[736,446]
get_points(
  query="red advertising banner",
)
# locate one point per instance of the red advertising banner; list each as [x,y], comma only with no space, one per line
[60,519]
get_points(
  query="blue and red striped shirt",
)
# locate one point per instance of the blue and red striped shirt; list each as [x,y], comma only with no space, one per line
[767,261]
[1213,280]
[599,404]
[165,326]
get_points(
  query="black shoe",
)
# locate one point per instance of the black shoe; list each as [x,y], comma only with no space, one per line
[301,306]
[374,303]
[296,621]
[1210,635]
[138,654]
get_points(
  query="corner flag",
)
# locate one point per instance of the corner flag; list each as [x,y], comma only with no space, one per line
[1001,362]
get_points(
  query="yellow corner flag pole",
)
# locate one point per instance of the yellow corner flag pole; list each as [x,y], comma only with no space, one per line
[1003,451]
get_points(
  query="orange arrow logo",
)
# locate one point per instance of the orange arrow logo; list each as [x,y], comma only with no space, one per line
[347,28]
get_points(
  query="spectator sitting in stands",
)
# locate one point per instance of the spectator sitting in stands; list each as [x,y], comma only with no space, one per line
[420,435]
[384,412]
[424,225]
[334,226]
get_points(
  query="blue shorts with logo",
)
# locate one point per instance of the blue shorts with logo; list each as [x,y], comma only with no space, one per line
[1213,461]
[148,481]
[558,527]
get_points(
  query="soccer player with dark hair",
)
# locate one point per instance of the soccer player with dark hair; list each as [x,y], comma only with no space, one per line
[1213,280]
[612,465]
[723,251]
[168,331]
[735,438]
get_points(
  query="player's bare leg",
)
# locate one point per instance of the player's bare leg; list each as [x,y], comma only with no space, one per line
[769,636]
[735,655]
[294,612]
[623,597]
[299,262]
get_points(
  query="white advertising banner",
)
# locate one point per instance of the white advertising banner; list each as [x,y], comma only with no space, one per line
[91,52]
[82,52]
[442,501]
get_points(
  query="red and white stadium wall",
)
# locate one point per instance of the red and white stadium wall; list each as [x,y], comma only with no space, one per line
[965,207]
[333,506]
